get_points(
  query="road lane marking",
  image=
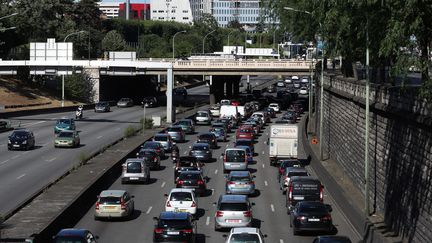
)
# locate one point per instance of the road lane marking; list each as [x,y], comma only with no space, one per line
[265,183]
[216,171]
[265,142]
[45,144]
[263,165]
[117,129]
[208,220]
[99,137]
[226,146]
[185,152]
[4,162]
[212,191]
[50,160]
[26,152]
[149,210]
[272,207]
[173,166]
[21,176]
[163,184]
[262,152]
[281,241]
[16,156]
[32,124]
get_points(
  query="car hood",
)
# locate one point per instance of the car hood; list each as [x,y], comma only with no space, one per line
[62,125]
[64,138]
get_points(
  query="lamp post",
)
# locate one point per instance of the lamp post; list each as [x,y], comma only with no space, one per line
[144,103]
[203,42]
[230,34]
[63,76]
[173,54]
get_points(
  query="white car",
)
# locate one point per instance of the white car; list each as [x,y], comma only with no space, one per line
[305,80]
[288,81]
[181,200]
[280,84]
[295,78]
[203,117]
[225,102]
[245,234]
[303,91]
[215,110]
[275,107]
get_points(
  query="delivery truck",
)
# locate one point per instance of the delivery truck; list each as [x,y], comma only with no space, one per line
[283,142]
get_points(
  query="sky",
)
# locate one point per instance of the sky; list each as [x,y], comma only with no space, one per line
[122,1]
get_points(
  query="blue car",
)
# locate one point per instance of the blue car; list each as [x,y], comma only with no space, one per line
[249,153]
[63,124]
[75,235]
[220,133]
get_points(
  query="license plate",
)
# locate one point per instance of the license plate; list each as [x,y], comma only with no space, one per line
[16,145]
[173,232]
[134,178]
[313,220]
[109,207]
[233,221]
[298,198]
[180,210]
[235,166]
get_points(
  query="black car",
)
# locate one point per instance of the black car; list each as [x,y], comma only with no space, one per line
[208,137]
[303,188]
[152,157]
[192,180]
[74,235]
[149,101]
[174,226]
[332,239]
[186,163]
[156,146]
[311,217]
[102,106]
[180,91]
[21,139]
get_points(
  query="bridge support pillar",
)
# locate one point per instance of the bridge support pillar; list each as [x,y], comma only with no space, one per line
[212,93]
[169,108]
[94,75]
[248,84]
[158,82]
[236,85]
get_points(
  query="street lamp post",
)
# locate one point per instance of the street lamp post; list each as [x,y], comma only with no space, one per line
[173,54]
[144,115]
[63,76]
[203,42]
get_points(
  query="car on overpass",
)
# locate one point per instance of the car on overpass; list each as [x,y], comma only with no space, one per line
[125,102]
[102,106]
[149,101]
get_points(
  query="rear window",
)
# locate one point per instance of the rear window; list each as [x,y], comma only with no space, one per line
[109,200]
[69,239]
[294,163]
[243,143]
[245,130]
[181,196]
[233,207]
[174,129]
[146,153]
[235,155]
[172,223]
[133,167]
[290,174]
[184,123]
[316,208]
[240,178]
[306,188]
[161,138]
[206,136]
[151,145]
[65,134]
[200,147]
[241,238]
[202,114]
[190,176]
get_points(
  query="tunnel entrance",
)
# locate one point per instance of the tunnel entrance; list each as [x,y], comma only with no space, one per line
[113,88]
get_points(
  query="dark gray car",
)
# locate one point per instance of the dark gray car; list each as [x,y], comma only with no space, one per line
[201,151]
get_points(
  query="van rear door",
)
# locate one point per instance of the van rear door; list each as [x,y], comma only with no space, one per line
[305,191]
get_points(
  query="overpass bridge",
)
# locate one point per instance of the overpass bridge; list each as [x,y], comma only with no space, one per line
[223,74]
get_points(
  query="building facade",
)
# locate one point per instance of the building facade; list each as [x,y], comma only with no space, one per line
[110,9]
[172,10]
[137,11]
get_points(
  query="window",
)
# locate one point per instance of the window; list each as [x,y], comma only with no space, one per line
[161,17]
[185,18]
[154,11]
[185,11]
[173,11]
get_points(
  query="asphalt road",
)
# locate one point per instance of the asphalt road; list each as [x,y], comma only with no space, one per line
[269,210]
[23,173]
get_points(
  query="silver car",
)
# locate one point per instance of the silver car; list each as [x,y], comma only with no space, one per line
[114,204]
[165,140]
[245,234]
[290,172]
[176,133]
[203,117]
[240,182]
[233,211]
[125,102]
[136,170]
[234,159]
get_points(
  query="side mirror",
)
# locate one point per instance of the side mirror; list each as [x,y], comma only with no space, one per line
[165,195]
[329,207]
[223,154]
[214,204]
[253,204]
[265,235]
[155,218]
[132,196]
[225,235]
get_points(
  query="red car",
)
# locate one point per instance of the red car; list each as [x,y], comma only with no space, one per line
[245,131]
[235,102]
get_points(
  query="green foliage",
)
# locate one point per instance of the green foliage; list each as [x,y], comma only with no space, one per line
[113,41]
[129,131]
[148,123]
[79,87]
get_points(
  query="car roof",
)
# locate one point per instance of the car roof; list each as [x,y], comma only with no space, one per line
[296,169]
[134,160]
[240,230]
[239,173]
[161,135]
[233,198]
[311,203]
[244,147]
[190,172]
[236,148]
[181,190]
[243,139]
[112,193]
[200,145]
[173,216]
[304,179]
[72,232]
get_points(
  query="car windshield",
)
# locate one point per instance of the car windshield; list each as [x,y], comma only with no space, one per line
[190,176]
[244,238]
[101,104]
[233,207]
[297,173]
[243,143]
[202,114]
[19,134]
[174,129]
[146,153]
[109,200]
[245,130]
[64,121]
[181,196]
[200,147]
[161,138]
[235,155]
[70,239]
[65,134]
[312,208]
[133,167]
[288,163]
[184,123]
[173,223]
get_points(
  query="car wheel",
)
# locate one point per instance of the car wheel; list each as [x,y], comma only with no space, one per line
[96,218]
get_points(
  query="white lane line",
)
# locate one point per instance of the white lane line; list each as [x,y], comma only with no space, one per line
[281,241]
[263,165]
[185,152]
[21,176]
[45,144]
[216,171]
[262,152]
[50,160]
[212,191]
[265,183]
[117,129]
[163,184]
[16,156]
[149,210]
[32,124]
[221,157]
[174,166]
[272,207]
[265,142]
[226,146]
[4,162]
[208,220]
[99,137]
[26,152]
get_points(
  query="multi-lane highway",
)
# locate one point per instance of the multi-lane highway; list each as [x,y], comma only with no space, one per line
[23,173]
[269,211]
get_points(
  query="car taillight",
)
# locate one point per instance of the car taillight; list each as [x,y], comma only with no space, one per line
[248,214]
[180,182]
[252,182]
[187,231]
[168,204]
[321,194]
[97,206]
[200,182]
[158,231]
[301,218]
[327,217]
[219,214]
[290,193]
[225,158]
[231,182]
[193,204]
[123,205]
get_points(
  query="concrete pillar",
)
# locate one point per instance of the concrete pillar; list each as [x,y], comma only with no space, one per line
[158,82]
[94,75]
[236,86]
[212,91]
[169,110]
[248,84]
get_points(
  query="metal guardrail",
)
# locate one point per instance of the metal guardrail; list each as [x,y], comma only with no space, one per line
[241,64]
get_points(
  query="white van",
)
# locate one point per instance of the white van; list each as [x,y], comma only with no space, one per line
[228,111]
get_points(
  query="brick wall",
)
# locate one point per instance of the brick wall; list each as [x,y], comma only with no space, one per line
[400,152]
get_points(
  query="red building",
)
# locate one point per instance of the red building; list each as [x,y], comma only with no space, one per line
[137,11]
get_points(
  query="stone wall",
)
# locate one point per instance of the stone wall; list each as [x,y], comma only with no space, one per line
[400,150]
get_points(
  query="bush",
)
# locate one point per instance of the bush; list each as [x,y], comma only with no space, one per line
[148,123]
[129,131]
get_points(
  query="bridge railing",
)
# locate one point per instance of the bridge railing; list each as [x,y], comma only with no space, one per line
[237,64]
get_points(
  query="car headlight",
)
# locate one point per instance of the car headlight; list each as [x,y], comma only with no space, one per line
[24,142]
[9,141]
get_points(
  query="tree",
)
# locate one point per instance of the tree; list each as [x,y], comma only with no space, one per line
[234,24]
[113,41]
[79,87]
